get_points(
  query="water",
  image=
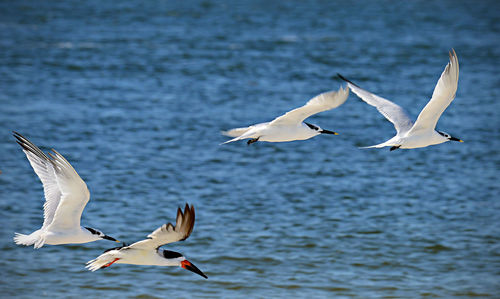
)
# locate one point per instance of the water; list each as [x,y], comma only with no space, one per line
[135,93]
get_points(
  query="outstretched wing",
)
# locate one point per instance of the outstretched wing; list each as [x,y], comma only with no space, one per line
[45,171]
[394,113]
[443,94]
[169,233]
[322,102]
[74,194]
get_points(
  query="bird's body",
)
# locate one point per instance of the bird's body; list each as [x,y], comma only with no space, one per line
[278,133]
[66,195]
[415,140]
[290,126]
[148,252]
[54,236]
[420,133]
[134,256]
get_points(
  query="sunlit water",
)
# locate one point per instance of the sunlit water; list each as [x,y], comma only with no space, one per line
[134,94]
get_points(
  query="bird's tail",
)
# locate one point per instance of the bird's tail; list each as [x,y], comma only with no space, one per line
[245,135]
[234,139]
[374,146]
[235,132]
[27,240]
[102,261]
[239,133]
[383,144]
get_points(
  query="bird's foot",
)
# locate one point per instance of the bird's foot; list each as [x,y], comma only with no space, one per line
[110,263]
[395,147]
[252,140]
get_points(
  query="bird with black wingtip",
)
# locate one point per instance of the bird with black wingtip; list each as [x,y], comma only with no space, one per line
[291,126]
[66,195]
[148,252]
[422,132]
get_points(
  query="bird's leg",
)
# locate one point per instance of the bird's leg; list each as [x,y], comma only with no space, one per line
[252,140]
[110,263]
[395,147]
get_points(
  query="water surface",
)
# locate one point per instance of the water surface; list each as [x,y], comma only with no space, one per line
[134,95]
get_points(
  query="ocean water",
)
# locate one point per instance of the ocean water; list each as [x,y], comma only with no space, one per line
[135,93]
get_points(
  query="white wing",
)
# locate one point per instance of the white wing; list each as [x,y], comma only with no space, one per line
[443,94]
[74,191]
[321,102]
[169,233]
[394,113]
[43,168]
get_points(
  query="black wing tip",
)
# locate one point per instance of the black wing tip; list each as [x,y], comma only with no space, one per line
[346,80]
[29,146]
[23,145]
[188,209]
[19,137]
[188,218]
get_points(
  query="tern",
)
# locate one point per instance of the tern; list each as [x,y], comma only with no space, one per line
[148,252]
[66,195]
[290,126]
[422,133]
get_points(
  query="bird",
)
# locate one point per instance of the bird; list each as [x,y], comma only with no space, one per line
[290,126]
[66,195]
[422,133]
[148,252]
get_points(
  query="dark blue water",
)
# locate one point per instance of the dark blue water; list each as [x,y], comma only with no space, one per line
[134,94]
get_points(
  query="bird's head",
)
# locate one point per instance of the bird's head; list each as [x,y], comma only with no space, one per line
[449,137]
[100,235]
[319,130]
[182,262]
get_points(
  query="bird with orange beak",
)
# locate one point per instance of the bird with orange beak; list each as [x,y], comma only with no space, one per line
[148,252]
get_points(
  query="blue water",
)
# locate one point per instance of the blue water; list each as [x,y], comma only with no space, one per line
[134,94]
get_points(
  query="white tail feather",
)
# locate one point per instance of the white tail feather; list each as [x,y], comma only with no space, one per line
[27,240]
[235,132]
[375,146]
[99,262]
[390,142]
[234,139]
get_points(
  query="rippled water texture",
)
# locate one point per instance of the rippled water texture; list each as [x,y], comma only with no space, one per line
[134,94]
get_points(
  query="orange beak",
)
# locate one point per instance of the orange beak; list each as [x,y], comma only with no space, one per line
[188,266]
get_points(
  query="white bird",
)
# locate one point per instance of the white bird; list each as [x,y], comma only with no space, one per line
[66,195]
[148,252]
[422,133]
[290,126]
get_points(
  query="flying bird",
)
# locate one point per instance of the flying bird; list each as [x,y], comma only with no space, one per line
[66,195]
[148,252]
[291,126]
[422,133]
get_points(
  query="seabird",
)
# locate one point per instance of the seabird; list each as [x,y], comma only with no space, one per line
[290,126]
[66,195]
[422,133]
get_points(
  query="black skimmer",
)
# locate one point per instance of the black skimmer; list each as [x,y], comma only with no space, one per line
[148,252]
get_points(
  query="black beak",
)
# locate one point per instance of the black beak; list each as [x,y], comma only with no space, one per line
[189,266]
[328,132]
[456,139]
[110,238]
